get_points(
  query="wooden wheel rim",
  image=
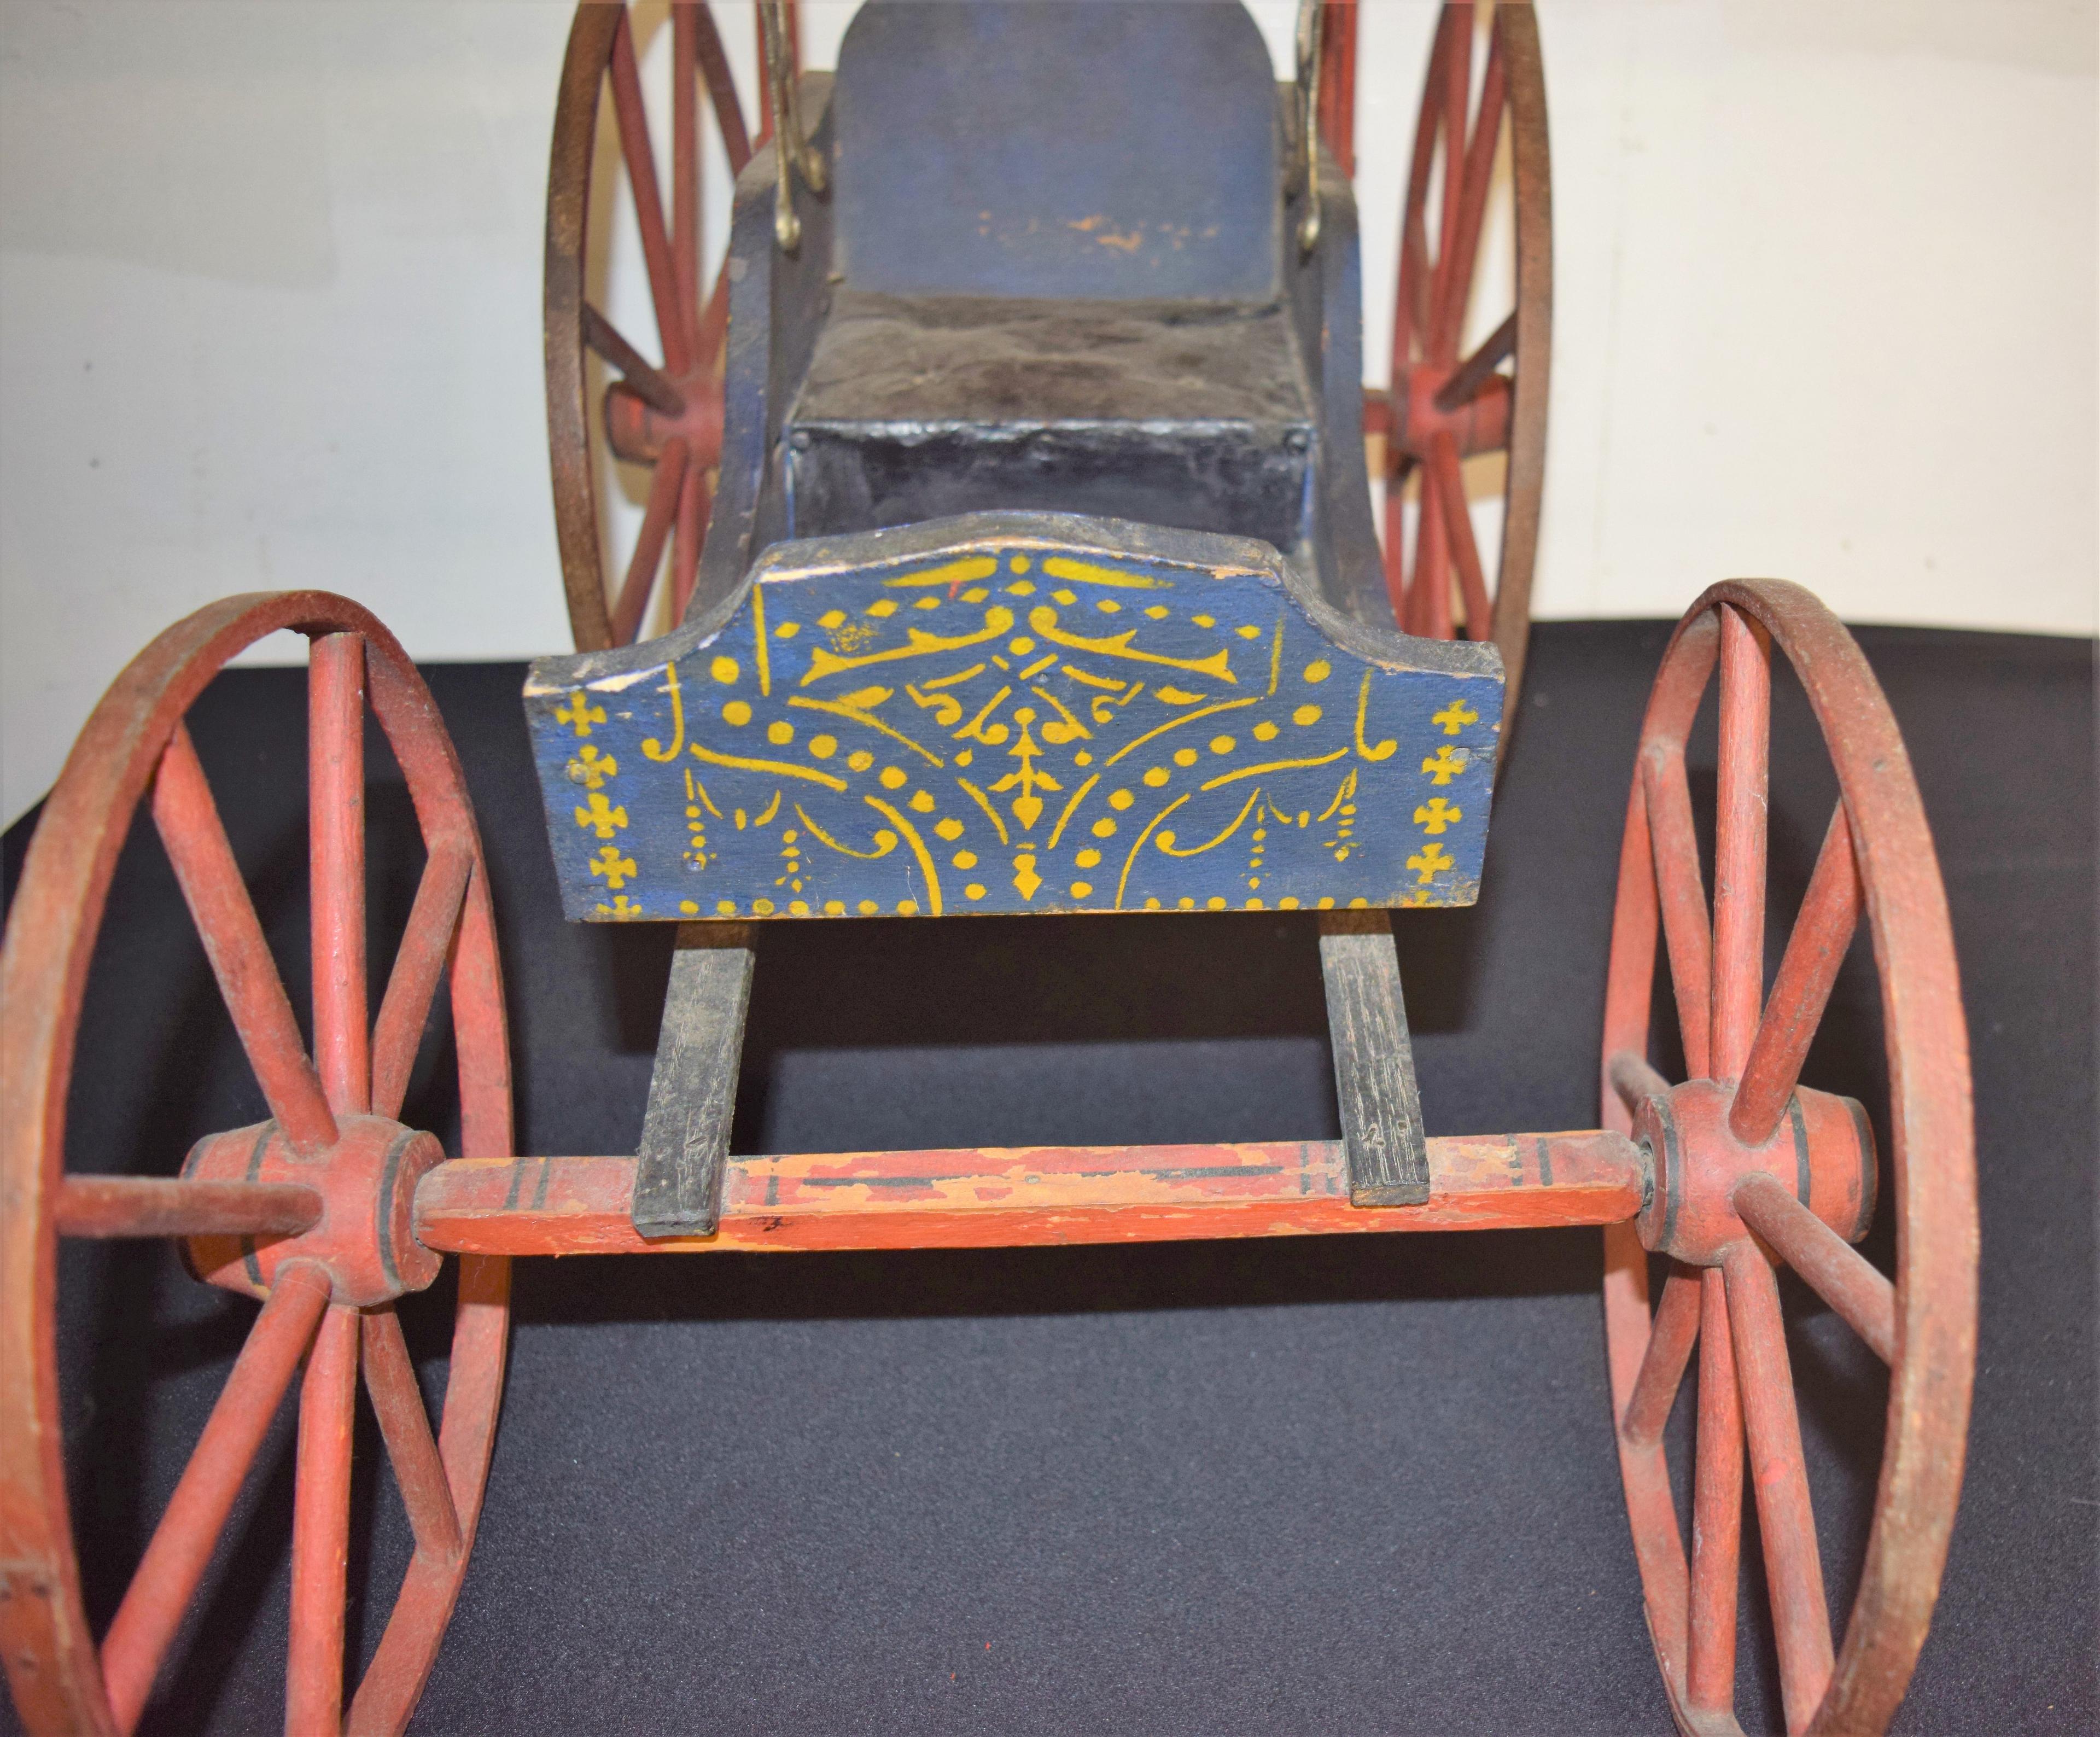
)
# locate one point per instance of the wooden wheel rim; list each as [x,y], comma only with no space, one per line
[1515,40]
[1932,1154]
[599,38]
[54,1666]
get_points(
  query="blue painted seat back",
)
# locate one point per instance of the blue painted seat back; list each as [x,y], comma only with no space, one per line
[1096,148]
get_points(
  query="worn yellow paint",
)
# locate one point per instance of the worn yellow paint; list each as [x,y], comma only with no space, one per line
[1044,620]
[853,714]
[1166,840]
[884,841]
[950,574]
[601,816]
[1186,717]
[1445,764]
[1078,797]
[918,850]
[743,763]
[1067,728]
[983,802]
[1275,765]
[760,637]
[1385,750]
[580,714]
[1428,862]
[1085,573]
[918,644]
[651,746]
[1436,814]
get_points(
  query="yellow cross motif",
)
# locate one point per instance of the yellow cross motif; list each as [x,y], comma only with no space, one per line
[621,906]
[601,816]
[1429,861]
[617,870]
[1445,764]
[1436,814]
[591,768]
[579,712]
[1455,717]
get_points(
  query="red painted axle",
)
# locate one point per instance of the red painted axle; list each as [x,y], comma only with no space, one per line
[989,1198]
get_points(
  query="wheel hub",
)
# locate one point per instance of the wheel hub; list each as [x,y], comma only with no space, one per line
[638,431]
[1822,1153]
[1480,425]
[364,1238]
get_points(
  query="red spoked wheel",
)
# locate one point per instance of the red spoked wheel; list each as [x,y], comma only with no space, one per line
[666,416]
[1445,406]
[310,1211]
[1752,1168]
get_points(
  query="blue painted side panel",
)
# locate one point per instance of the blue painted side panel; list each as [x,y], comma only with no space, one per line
[1119,148]
[1017,714]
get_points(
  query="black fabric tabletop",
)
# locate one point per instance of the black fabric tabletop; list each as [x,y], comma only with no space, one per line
[1345,1485]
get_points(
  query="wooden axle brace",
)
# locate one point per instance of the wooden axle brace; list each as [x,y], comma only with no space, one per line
[677,1185]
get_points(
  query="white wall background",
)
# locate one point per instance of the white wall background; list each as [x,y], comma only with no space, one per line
[270,305]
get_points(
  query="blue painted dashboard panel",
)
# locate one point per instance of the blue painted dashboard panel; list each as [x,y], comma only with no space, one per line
[1012,714]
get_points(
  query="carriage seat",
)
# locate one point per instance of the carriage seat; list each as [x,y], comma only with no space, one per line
[1057,254]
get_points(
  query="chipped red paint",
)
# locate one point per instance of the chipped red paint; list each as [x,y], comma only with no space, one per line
[1024,1196]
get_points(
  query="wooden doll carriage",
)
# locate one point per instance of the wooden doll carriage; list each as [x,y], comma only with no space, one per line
[1022,559]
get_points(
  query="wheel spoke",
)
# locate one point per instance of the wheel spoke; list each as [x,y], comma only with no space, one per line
[232,936]
[1444,474]
[634,146]
[335,795]
[320,1528]
[1669,1341]
[1717,1505]
[1816,948]
[686,541]
[170,1206]
[1454,275]
[1681,891]
[1838,1273]
[1410,313]
[182,1544]
[721,93]
[1629,976]
[650,387]
[389,1376]
[1794,1570]
[1429,586]
[1477,369]
[1651,1507]
[694,505]
[1457,100]
[664,489]
[473,1395]
[1738,842]
[714,317]
[1634,1081]
[425,945]
[685,167]
[1396,551]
